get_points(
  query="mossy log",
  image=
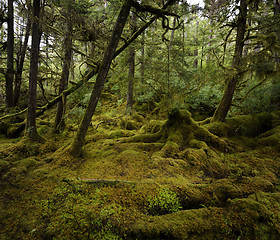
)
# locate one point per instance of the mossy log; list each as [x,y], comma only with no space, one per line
[253,217]
[179,132]
[244,125]
[105,181]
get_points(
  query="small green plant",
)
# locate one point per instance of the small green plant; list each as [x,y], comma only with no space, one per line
[166,201]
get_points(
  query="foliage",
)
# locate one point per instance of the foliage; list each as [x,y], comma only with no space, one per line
[164,202]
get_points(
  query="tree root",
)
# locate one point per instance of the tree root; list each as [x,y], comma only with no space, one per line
[179,132]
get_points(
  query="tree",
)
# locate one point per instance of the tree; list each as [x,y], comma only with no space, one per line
[31,130]
[131,69]
[10,55]
[78,143]
[20,63]
[110,53]
[59,122]
[224,106]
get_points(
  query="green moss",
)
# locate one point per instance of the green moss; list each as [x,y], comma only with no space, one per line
[129,124]
[198,144]
[44,129]
[271,138]
[164,202]
[15,130]
[152,126]
[3,165]
[250,125]
[170,149]
[220,129]
[119,133]
[27,162]
[187,224]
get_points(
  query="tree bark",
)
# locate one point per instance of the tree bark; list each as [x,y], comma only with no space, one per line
[59,121]
[10,56]
[79,140]
[19,67]
[131,70]
[225,104]
[31,131]
[276,13]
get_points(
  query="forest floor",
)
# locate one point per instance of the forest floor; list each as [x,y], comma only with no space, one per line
[140,178]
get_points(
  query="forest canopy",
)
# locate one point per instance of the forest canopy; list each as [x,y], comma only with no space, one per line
[218,60]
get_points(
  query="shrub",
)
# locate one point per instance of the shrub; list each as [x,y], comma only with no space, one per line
[166,201]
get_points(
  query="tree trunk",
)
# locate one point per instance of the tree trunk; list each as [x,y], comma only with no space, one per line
[19,67]
[276,13]
[169,47]
[59,121]
[131,70]
[276,7]
[224,106]
[10,56]
[195,53]
[31,130]
[79,140]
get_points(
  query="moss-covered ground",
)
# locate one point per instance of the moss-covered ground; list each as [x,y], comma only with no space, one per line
[143,177]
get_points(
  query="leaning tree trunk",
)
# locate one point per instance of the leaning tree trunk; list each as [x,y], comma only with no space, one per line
[225,104]
[31,130]
[19,67]
[10,56]
[131,70]
[79,140]
[59,122]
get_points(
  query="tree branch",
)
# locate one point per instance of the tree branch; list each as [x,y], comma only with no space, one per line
[147,8]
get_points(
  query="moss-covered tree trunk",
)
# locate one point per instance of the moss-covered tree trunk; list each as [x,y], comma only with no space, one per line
[10,56]
[225,104]
[79,140]
[31,130]
[59,121]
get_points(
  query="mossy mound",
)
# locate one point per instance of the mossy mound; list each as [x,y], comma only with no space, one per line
[270,138]
[247,218]
[244,125]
